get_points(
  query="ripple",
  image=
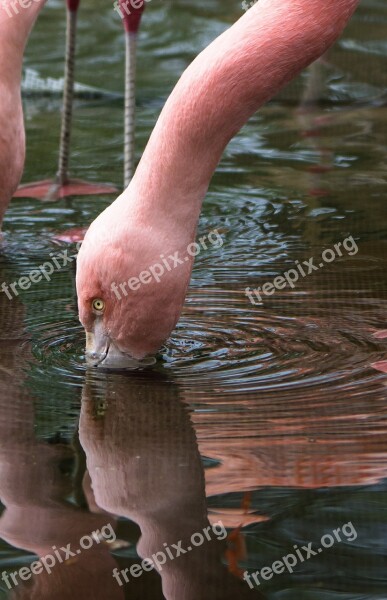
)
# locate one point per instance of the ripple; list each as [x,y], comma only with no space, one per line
[298,340]
[57,339]
[55,348]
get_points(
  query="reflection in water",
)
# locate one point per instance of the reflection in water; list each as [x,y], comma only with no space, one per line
[144,464]
[35,486]
[281,466]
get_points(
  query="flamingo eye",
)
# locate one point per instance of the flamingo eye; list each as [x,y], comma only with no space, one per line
[98,305]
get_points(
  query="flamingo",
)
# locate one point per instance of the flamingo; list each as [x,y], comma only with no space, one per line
[156,216]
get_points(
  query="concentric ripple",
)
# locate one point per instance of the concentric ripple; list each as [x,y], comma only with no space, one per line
[60,346]
[296,340]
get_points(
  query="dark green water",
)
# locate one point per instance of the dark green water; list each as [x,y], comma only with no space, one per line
[269,416]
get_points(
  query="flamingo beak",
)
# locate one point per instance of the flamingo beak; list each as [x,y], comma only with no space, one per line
[102,352]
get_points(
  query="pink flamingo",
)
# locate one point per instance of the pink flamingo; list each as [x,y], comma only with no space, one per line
[157,215]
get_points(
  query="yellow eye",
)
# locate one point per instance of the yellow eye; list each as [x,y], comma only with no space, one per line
[98,305]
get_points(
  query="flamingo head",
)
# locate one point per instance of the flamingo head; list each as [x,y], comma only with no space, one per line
[130,292]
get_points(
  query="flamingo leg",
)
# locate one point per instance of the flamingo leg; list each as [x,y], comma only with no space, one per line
[130,105]
[131,18]
[62,176]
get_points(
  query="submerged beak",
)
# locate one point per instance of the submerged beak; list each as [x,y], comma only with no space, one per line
[102,352]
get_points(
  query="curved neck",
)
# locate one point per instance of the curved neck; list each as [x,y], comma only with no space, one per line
[222,88]
[16,23]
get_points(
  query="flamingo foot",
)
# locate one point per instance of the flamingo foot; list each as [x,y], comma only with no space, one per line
[71,236]
[380,366]
[49,190]
[381,334]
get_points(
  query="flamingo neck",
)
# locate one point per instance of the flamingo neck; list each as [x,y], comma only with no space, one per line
[14,32]
[16,23]
[217,94]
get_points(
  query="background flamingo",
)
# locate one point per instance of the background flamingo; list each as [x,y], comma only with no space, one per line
[158,213]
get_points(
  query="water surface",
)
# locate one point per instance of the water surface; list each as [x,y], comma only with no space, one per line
[269,417]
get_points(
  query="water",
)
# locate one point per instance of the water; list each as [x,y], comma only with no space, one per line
[269,416]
